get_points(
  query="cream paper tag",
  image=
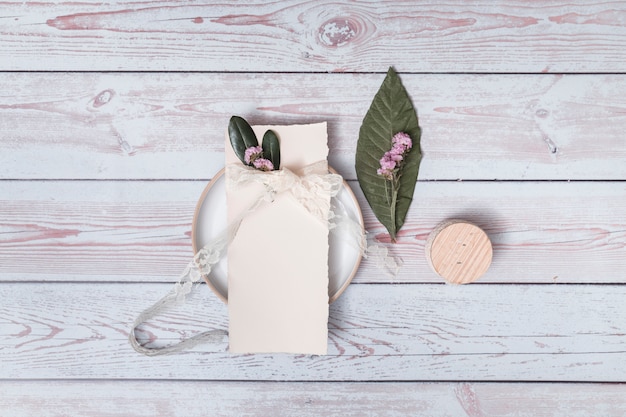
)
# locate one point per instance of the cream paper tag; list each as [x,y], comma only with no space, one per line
[278,258]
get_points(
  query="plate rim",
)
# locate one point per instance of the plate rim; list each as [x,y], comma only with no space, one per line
[194,227]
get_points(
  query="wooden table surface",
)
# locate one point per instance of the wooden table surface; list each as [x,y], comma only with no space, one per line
[111,124]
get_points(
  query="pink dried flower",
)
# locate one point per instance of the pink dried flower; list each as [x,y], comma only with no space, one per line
[263,164]
[387,165]
[392,159]
[395,156]
[384,173]
[252,153]
[402,140]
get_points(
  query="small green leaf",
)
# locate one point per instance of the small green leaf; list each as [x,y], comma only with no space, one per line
[241,136]
[391,112]
[271,148]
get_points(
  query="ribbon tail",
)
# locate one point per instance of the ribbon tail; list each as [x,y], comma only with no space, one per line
[202,264]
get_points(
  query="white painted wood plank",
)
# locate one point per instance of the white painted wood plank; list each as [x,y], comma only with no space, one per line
[207,398]
[299,35]
[377,333]
[542,232]
[170,126]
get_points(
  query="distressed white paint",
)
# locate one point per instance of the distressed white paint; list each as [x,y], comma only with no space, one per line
[376,332]
[542,232]
[203,398]
[167,126]
[321,36]
[147,126]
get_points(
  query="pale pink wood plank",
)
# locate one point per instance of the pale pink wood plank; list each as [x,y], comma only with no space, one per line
[140,231]
[376,332]
[299,35]
[167,126]
[121,231]
[200,399]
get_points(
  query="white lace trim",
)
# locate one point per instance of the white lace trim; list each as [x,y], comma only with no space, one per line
[311,189]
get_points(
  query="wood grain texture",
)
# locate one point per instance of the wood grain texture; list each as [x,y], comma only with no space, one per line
[120,231]
[376,332]
[140,231]
[200,399]
[510,90]
[170,126]
[305,36]
[458,251]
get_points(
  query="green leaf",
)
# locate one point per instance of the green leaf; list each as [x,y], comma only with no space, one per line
[391,112]
[241,136]
[271,148]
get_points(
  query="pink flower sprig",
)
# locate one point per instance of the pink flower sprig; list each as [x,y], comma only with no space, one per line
[263,164]
[254,157]
[252,154]
[391,169]
[246,145]
[391,162]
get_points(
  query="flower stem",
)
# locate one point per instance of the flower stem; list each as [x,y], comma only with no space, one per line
[387,192]
[394,198]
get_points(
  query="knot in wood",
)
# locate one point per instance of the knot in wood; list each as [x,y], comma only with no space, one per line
[103,98]
[338,31]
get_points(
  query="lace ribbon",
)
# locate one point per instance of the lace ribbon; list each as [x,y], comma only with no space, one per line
[305,188]
[311,189]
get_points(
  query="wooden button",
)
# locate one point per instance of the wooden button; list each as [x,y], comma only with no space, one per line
[459,251]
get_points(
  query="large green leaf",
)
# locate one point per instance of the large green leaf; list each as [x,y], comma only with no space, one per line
[241,136]
[271,148]
[391,112]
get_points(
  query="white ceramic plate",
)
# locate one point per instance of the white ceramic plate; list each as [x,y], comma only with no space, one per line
[210,219]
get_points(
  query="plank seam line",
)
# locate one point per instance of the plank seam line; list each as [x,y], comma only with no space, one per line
[347,179]
[305,381]
[382,72]
[397,284]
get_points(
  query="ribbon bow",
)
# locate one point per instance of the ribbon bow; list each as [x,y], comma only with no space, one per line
[313,188]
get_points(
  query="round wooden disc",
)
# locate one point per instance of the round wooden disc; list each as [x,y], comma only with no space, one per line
[460,252]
